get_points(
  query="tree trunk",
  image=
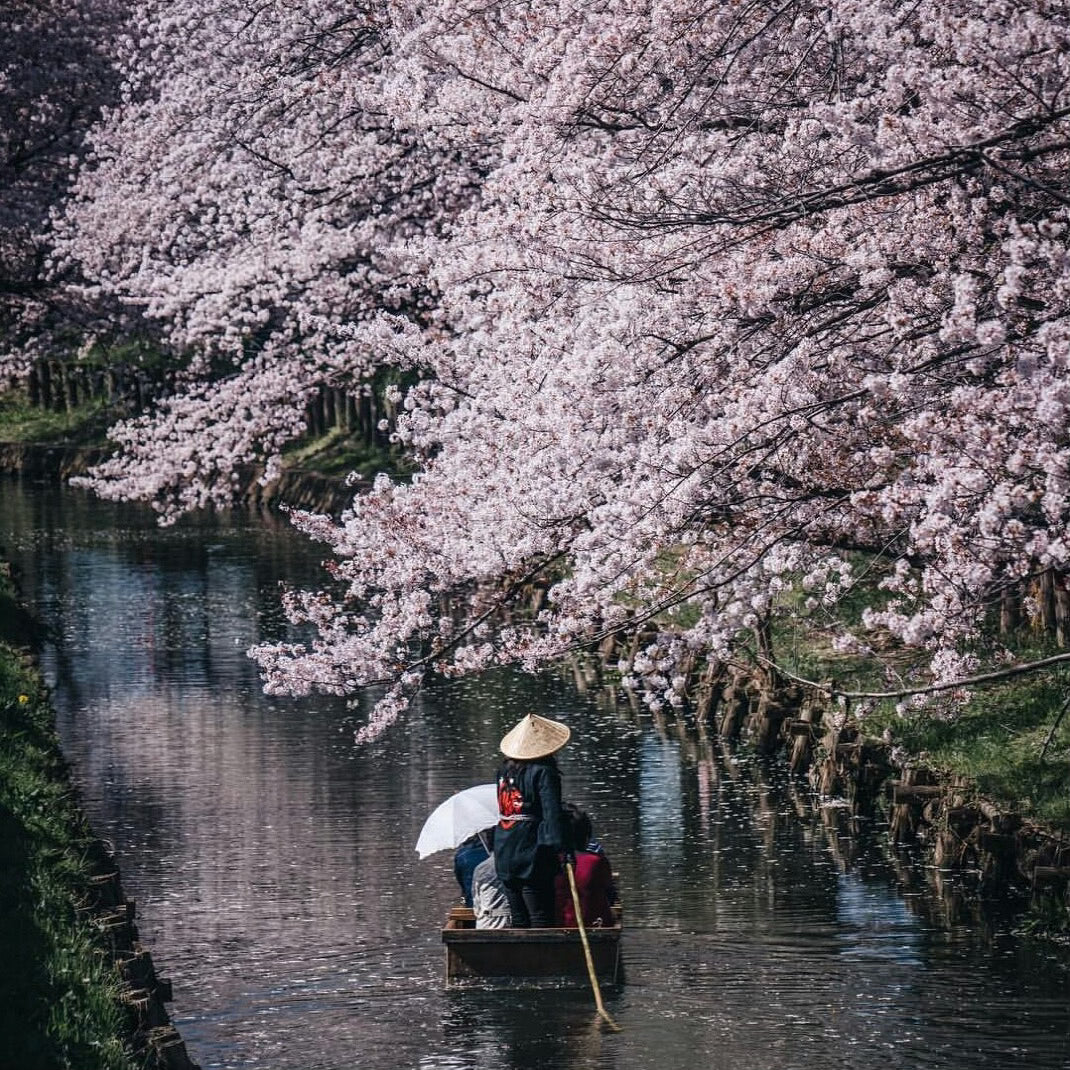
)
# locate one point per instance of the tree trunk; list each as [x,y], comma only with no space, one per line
[1010,611]
[1062,611]
[330,415]
[1047,601]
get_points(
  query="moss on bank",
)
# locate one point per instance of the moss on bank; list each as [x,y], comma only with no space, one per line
[338,453]
[86,425]
[59,993]
[1010,741]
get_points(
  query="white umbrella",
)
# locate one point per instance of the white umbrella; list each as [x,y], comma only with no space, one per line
[460,816]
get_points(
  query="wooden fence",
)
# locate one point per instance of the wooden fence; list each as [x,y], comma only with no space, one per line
[62,386]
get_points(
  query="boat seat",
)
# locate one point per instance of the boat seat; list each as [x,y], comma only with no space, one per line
[461,917]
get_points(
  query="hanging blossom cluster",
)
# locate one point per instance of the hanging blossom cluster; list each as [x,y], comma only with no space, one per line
[704,300]
[253,190]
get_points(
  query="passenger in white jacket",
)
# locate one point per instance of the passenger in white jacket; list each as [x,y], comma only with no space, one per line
[489,902]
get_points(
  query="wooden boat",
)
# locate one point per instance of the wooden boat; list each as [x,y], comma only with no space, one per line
[472,952]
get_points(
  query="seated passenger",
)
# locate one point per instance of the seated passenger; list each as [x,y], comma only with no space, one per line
[489,901]
[469,854]
[595,847]
[594,877]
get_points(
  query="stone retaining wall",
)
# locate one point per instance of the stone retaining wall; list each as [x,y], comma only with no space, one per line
[155,1042]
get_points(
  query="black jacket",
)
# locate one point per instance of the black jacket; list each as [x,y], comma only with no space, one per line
[531,832]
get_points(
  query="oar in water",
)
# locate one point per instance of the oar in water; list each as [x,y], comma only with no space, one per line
[587,950]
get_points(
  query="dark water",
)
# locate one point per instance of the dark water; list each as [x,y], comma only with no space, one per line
[276,883]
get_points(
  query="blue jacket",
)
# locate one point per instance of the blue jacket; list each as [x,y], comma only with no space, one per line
[468,856]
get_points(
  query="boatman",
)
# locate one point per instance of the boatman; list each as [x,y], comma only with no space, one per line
[530,841]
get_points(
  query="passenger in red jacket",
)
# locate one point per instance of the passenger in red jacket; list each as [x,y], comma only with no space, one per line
[594,877]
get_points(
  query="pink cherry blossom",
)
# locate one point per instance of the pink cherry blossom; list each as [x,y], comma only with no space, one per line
[706,304]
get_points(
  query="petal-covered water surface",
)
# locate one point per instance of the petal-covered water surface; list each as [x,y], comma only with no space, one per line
[273,861]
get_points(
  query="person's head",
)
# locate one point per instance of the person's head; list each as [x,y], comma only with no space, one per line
[534,737]
[579,825]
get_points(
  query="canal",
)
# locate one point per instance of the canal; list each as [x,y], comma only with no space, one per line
[276,883]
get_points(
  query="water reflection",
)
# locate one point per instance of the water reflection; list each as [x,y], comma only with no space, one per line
[661,832]
[276,879]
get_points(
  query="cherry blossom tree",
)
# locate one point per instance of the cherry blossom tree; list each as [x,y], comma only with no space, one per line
[56,73]
[717,303]
[250,196]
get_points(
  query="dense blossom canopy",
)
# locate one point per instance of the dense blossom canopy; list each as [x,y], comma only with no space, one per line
[708,303]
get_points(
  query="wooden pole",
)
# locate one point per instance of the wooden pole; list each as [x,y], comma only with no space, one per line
[603,1013]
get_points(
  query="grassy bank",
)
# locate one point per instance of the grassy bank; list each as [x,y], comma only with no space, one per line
[338,453]
[59,993]
[1011,739]
[84,425]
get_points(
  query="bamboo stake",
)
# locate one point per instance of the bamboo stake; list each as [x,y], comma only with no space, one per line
[1054,728]
[603,1013]
[965,681]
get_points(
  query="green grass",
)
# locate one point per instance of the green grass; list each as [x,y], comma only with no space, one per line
[997,741]
[84,425]
[337,453]
[59,993]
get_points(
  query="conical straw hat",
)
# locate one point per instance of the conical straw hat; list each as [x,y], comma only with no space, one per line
[534,737]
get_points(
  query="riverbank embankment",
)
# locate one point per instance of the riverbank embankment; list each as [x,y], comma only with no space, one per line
[296,486]
[974,854]
[76,987]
